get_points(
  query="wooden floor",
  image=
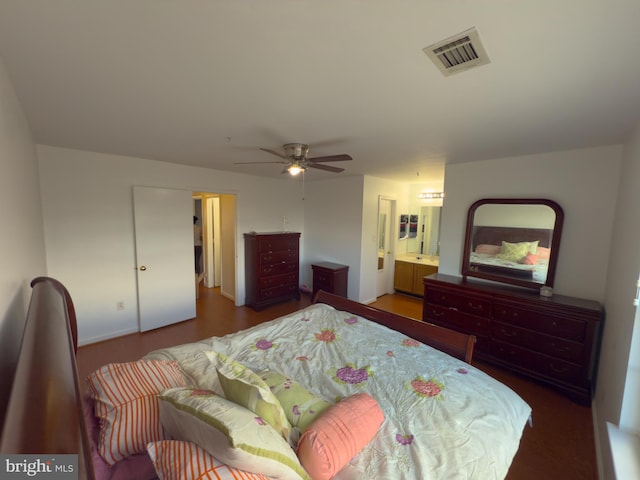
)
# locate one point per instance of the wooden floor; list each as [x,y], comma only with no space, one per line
[559,445]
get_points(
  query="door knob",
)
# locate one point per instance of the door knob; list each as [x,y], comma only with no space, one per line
[143,268]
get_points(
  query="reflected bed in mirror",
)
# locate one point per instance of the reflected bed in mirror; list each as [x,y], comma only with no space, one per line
[513,241]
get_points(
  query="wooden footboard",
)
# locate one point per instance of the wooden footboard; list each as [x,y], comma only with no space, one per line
[44,414]
[453,343]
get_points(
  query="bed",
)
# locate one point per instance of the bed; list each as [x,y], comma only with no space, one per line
[514,252]
[377,395]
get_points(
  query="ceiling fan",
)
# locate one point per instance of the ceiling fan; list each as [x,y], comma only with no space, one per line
[296,159]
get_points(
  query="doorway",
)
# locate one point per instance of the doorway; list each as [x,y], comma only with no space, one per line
[216,213]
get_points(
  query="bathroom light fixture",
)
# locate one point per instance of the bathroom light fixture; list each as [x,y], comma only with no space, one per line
[430,195]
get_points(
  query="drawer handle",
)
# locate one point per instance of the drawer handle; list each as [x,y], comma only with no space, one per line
[507,333]
[506,314]
[557,348]
[436,313]
[558,370]
[474,307]
[453,308]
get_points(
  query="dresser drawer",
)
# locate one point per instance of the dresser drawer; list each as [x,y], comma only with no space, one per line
[276,291]
[322,280]
[542,364]
[278,268]
[268,258]
[278,280]
[474,304]
[278,244]
[554,346]
[455,319]
[540,321]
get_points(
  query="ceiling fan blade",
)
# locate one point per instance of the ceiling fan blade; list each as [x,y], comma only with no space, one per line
[273,152]
[254,163]
[332,158]
[328,168]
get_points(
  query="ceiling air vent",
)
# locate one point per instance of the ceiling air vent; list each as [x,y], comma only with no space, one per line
[458,53]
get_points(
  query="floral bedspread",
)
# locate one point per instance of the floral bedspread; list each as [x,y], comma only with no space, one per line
[444,419]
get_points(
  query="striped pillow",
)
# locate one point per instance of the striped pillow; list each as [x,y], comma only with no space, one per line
[126,404]
[175,460]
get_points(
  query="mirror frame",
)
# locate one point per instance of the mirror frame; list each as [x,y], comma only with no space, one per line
[554,244]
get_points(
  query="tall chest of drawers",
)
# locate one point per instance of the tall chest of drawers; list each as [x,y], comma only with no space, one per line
[553,340]
[272,266]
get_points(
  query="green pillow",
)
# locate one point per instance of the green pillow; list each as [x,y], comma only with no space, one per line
[229,432]
[514,252]
[242,386]
[300,405]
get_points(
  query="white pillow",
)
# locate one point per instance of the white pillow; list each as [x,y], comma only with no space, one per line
[229,432]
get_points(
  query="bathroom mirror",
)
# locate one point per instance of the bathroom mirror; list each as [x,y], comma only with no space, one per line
[513,241]
[423,231]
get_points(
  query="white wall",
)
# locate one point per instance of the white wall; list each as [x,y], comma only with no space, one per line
[333,227]
[583,182]
[617,394]
[373,189]
[88,221]
[22,239]
[340,226]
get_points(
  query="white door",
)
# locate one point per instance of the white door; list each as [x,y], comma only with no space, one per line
[386,212]
[164,256]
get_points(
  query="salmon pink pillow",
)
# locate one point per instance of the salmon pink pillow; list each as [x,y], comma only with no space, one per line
[543,252]
[530,259]
[338,435]
[488,249]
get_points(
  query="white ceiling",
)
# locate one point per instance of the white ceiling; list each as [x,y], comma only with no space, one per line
[208,82]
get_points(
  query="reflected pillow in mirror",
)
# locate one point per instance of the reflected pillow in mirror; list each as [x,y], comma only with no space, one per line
[514,252]
[544,252]
[530,259]
[488,249]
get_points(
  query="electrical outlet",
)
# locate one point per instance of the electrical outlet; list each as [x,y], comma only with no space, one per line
[120,305]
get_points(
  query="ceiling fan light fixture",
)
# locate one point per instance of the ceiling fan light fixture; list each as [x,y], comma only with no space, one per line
[296,150]
[295,169]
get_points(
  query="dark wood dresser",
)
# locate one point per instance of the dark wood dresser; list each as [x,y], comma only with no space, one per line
[554,340]
[330,277]
[271,268]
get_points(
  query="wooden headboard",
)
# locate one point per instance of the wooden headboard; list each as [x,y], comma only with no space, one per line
[44,413]
[495,235]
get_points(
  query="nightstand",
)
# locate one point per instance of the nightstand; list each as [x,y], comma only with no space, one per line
[330,277]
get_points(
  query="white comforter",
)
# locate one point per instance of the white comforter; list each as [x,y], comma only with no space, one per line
[444,419]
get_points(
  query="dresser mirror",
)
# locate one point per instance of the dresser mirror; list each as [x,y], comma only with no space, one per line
[513,241]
